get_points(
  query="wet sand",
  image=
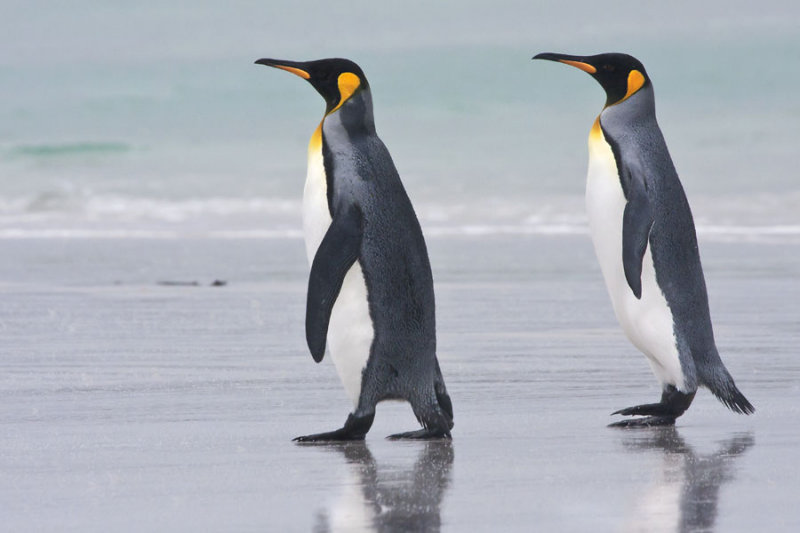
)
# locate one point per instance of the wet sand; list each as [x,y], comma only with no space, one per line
[129,405]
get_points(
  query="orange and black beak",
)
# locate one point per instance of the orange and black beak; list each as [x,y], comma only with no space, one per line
[580,62]
[621,75]
[336,79]
[298,68]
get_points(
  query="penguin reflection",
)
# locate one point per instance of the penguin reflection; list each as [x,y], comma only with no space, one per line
[686,494]
[389,499]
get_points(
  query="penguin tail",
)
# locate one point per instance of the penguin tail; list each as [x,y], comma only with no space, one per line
[434,409]
[442,398]
[724,388]
[445,404]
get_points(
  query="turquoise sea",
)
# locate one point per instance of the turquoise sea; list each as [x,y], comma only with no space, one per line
[150,119]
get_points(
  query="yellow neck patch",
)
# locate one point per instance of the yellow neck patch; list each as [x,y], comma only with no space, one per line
[635,82]
[348,83]
[596,131]
[315,144]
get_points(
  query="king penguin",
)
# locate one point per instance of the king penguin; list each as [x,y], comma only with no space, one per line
[645,242]
[370,291]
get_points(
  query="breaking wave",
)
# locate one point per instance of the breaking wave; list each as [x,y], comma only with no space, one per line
[81,215]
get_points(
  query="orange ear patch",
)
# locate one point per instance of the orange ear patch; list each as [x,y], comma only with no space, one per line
[348,83]
[635,82]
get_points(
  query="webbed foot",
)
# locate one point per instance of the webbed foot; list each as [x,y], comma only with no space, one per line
[355,428]
[422,434]
[672,405]
[644,422]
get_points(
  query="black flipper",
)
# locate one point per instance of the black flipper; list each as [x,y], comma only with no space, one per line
[336,254]
[637,220]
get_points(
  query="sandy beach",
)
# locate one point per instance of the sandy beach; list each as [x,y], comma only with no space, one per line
[129,405]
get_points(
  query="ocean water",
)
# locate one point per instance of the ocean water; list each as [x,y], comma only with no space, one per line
[150,120]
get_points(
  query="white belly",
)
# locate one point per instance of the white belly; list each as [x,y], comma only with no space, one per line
[647,322]
[350,330]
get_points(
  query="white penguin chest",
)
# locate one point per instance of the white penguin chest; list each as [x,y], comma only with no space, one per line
[350,330]
[647,322]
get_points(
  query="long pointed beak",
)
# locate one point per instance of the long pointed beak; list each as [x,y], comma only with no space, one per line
[574,61]
[295,67]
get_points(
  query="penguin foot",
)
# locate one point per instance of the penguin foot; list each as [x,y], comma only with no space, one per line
[355,428]
[422,434]
[653,409]
[331,436]
[672,405]
[644,422]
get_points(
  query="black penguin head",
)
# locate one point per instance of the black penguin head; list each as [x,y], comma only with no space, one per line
[335,79]
[620,75]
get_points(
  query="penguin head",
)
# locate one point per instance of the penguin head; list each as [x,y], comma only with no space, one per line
[620,75]
[336,79]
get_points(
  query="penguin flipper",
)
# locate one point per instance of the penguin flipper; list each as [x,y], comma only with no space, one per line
[338,252]
[637,220]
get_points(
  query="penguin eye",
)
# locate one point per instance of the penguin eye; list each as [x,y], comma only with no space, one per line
[608,68]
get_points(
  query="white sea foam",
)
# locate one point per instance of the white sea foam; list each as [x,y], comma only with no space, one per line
[130,207]
[53,233]
[81,215]
[774,234]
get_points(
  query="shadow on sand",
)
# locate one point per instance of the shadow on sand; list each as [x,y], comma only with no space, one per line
[685,493]
[383,498]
